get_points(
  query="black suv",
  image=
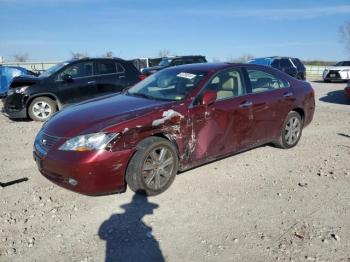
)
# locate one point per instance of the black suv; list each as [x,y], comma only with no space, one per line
[290,65]
[67,83]
[174,61]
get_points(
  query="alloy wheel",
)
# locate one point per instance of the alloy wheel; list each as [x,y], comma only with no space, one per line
[42,109]
[292,130]
[158,168]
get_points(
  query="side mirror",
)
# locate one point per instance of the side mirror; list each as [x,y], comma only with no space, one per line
[67,78]
[209,97]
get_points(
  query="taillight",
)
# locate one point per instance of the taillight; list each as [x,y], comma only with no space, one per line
[141,77]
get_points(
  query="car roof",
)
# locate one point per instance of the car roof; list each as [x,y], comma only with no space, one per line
[94,58]
[183,56]
[209,66]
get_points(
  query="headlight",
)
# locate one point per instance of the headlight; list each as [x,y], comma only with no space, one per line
[21,89]
[345,70]
[88,142]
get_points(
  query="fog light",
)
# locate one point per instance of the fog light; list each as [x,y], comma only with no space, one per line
[72,181]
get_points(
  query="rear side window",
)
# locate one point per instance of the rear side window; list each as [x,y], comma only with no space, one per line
[189,61]
[120,68]
[275,63]
[298,64]
[177,62]
[285,63]
[106,67]
[199,60]
[262,81]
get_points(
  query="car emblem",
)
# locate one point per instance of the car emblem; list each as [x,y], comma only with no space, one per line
[43,142]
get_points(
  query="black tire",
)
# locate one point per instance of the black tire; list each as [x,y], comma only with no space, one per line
[49,106]
[286,141]
[137,175]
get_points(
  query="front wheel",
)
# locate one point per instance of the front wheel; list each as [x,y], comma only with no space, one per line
[153,167]
[41,108]
[291,131]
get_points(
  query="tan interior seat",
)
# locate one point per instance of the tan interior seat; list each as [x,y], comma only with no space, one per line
[226,90]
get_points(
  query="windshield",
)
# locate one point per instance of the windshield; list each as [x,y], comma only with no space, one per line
[165,62]
[53,69]
[169,85]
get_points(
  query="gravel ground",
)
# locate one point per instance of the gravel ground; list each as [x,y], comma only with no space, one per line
[266,204]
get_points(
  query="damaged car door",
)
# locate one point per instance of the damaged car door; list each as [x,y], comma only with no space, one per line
[272,99]
[222,124]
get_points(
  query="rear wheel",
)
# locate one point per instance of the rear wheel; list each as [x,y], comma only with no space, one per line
[291,131]
[153,167]
[41,108]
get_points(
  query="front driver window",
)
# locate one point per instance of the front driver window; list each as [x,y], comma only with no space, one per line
[78,70]
[262,81]
[227,84]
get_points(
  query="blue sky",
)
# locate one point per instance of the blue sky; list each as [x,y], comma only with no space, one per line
[49,30]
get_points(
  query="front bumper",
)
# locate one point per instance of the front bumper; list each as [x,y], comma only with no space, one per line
[336,75]
[88,173]
[14,106]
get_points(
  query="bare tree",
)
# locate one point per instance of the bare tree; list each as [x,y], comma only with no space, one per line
[109,54]
[163,53]
[78,55]
[241,59]
[21,57]
[345,35]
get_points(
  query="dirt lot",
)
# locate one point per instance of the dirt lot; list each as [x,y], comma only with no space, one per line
[266,204]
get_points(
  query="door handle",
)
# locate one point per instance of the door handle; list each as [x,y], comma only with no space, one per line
[121,77]
[246,104]
[288,94]
[91,82]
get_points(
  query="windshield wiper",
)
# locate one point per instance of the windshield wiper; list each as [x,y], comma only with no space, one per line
[140,95]
[150,97]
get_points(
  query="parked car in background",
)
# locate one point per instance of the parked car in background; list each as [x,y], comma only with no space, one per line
[176,119]
[68,83]
[339,72]
[7,73]
[174,61]
[290,65]
[347,90]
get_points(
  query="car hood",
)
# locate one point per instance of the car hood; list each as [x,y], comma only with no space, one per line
[24,80]
[96,115]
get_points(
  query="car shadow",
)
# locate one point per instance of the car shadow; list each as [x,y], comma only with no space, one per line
[127,237]
[336,97]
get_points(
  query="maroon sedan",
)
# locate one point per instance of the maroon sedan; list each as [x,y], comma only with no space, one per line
[347,90]
[176,119]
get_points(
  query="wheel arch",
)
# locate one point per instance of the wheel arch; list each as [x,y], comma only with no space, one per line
[167,137]
[301,112]
[49,95]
